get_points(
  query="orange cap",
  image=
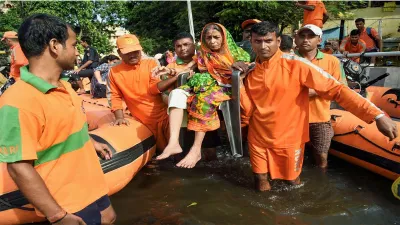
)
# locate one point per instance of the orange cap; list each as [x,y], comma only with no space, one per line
[9,34]
[250,21]
[128,43]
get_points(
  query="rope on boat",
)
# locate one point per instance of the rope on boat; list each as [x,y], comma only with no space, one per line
[357,132]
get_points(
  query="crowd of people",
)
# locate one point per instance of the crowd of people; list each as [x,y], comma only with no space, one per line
[285,95]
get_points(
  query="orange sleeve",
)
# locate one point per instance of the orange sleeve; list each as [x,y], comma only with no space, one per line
[329,88]
[246,106]
[19,57]
[20,134]
[374,33]
[324,9]
[362,45]
[153,80]
[343,44]
[116,94]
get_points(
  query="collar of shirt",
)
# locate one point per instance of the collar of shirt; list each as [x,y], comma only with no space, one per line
[274,59]
[320,55]
[35,81]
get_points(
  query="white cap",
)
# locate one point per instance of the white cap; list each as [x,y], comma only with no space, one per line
[158,56]
[316,30]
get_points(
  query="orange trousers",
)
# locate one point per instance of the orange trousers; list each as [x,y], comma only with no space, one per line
[161,133]
[280,163]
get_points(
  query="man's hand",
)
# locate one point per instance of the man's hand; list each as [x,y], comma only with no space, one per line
[387,127]
[76,71]
[160,71]
[71,219]
[120,121]
[345,53]
[102,149]
[241,66]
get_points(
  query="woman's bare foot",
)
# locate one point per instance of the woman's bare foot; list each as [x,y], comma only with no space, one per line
[171,149]
[191,158]
[261,182]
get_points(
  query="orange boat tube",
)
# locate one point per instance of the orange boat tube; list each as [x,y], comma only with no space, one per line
[386,99]
[132,148]
[362,144]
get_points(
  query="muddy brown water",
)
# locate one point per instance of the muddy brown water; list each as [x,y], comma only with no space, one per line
[220,192]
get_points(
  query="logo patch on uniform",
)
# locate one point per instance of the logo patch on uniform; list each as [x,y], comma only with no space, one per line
[297,154]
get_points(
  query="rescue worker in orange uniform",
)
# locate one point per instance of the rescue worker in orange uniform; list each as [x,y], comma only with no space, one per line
[274,102]
[321,131]
[314,12]
[132,81]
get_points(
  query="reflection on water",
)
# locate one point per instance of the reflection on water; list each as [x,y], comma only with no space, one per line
[221,192]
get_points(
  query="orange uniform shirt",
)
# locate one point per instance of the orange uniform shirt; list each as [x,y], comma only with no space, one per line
[136,86]
[18,60]
[368,41]
[358,48]
[274,100]
[347,46]
[47,124]
[329,51]
[316,16]
[319,107]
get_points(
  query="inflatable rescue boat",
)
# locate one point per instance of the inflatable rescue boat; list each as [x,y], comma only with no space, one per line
[132,148]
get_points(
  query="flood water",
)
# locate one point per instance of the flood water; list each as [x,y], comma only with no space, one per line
[221,192]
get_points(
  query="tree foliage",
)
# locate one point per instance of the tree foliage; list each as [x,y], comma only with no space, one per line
[161,21]
[96,19]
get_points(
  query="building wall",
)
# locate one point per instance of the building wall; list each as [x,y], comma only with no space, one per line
[389,26]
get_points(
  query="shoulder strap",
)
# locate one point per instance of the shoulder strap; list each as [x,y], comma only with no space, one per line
[371,36]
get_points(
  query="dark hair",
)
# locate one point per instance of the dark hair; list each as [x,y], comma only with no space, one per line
[104,60]
[286,43]
[107,58]
[86,39]
[328,43]
[182,35]
[360,20]
[36,32]
[264,28]
[113,57]
[211,26]
[354,32]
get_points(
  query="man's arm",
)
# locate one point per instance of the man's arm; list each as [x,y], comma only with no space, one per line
[380,43]
[116,101]
[166,84]
[157,86]
[325,18]
[84,66]
[329,88]
[325,15]
[21,132]
[246,104]
[363,46]
[305,6]
[20,59]
[342,47]
[33,187]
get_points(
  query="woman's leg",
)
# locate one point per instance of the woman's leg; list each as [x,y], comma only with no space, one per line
[194,154]
[177,103]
